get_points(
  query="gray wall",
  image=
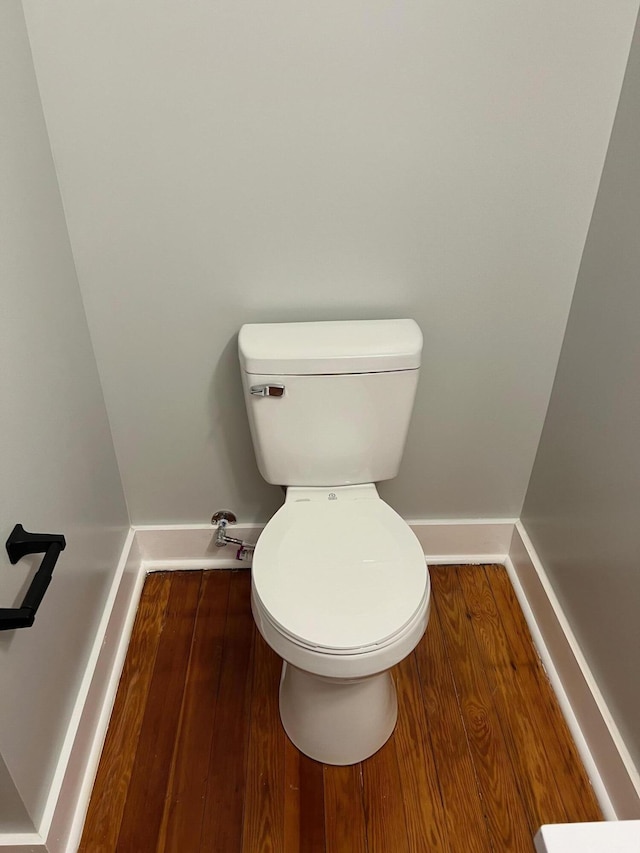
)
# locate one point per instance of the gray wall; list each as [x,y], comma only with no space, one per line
[59,472]
[582,509]
[14,817]
[228,162]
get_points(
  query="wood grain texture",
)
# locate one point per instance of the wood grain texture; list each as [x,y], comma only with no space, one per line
[572,781]
[383,798]
[264,792]
[185,801]
[525,733]
[104,816]
[227,775]
[424,811]
[196,758]
[345,830]
[454,765]
[499,786]
[312,809]
[156,743]
[292,818]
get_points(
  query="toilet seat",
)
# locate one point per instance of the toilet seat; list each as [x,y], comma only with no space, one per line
[339,572]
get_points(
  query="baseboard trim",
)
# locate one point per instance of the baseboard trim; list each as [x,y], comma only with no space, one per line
[71,790]
[464,540]
[614,777]
[174,547]
[22,842]
[191,546]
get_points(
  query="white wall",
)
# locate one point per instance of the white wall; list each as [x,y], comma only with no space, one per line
[581,510]
[14,817]
[59,472]
[246,161]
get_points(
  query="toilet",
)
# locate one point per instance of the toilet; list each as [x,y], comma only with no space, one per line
[340,588]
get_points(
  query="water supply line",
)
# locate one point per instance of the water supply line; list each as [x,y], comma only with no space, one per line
[223,518]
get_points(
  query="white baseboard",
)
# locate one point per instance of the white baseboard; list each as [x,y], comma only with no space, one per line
[172,547]
[607,761]
[464,541]
[191,546]
[70,793]
[22,842]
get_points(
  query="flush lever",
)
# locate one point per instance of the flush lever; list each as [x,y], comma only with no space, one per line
[267,390]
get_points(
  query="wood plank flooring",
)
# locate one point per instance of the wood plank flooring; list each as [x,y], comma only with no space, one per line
[196,759]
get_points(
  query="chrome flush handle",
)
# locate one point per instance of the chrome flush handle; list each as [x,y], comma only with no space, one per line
[267,390]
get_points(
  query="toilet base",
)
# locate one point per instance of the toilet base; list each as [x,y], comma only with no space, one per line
[337,721]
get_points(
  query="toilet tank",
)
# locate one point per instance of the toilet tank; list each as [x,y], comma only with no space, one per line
[329,403]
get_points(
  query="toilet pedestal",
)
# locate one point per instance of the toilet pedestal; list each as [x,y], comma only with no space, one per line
[337,721]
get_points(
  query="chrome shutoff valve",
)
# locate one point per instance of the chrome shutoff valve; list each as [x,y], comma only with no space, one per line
[223,518]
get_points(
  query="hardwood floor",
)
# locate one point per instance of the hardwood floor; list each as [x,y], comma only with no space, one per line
[196,759]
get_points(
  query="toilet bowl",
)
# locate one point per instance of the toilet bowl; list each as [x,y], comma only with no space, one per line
[340,590]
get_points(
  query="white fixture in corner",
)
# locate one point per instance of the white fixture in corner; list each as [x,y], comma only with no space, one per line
[606,837]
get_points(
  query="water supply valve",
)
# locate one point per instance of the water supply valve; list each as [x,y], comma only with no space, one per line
[223,518]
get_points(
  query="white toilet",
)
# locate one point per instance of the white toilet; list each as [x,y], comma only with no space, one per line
[340,588]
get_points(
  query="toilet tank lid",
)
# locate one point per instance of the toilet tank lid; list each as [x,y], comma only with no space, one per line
[330,347]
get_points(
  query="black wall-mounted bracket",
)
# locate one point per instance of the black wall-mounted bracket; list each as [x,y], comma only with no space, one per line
[19,544]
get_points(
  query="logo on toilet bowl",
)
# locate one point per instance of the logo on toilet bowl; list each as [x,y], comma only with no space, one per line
[333,496]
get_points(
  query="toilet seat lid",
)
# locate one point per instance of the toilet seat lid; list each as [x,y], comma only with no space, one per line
[339,575]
